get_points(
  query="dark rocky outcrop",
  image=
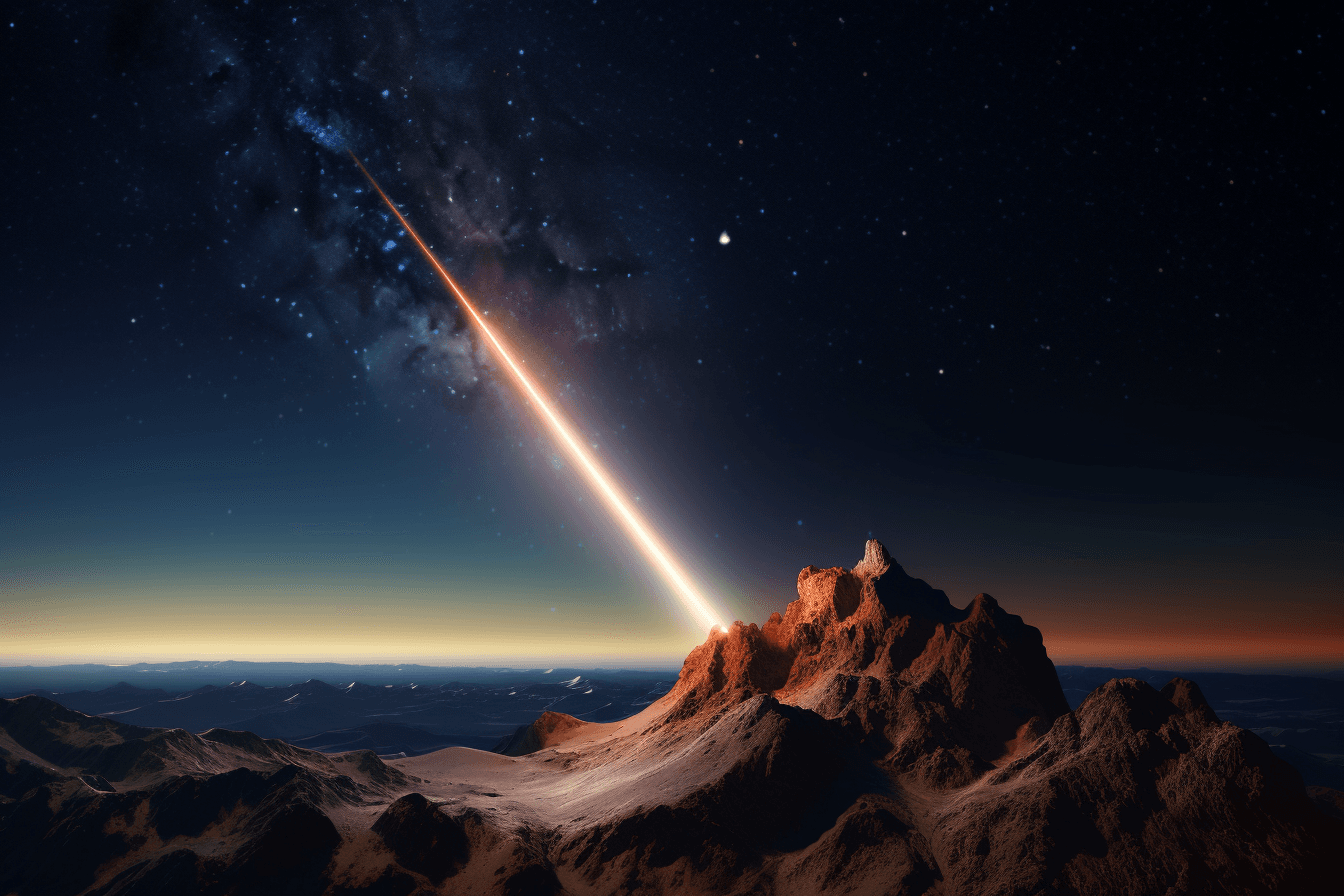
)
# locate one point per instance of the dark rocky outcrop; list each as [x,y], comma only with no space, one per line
[422,838]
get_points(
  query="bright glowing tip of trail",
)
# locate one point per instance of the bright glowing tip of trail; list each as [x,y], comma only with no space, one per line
[636,528]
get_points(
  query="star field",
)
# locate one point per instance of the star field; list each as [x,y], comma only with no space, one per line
[1044,296]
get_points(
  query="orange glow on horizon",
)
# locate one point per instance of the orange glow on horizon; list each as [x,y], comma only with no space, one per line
[1196,648]
[639,532]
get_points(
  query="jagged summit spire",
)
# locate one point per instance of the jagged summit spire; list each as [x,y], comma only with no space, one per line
[875,560]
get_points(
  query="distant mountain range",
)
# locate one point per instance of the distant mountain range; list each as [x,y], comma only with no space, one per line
[179,677]
[389,719]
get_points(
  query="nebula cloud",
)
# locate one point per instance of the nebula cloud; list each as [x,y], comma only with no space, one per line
[497,175]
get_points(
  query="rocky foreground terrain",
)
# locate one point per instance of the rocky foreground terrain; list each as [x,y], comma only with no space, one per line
[872,739]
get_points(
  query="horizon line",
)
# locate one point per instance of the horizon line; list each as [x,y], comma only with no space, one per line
[1238,668]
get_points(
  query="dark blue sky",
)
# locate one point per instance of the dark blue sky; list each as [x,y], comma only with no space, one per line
[1044,298]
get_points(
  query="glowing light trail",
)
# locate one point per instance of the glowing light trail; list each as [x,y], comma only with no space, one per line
[635,526]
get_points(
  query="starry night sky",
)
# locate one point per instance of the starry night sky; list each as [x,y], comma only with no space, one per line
[1045,298]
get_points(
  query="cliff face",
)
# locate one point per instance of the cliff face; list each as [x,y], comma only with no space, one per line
[872,738]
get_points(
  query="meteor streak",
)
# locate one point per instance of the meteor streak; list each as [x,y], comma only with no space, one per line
[635,526]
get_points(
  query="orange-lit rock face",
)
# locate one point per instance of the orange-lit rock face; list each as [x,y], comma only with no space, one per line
[825,596]
[892,659]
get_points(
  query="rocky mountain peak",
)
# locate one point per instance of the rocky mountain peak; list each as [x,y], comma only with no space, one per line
[893,660]
[875,561]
